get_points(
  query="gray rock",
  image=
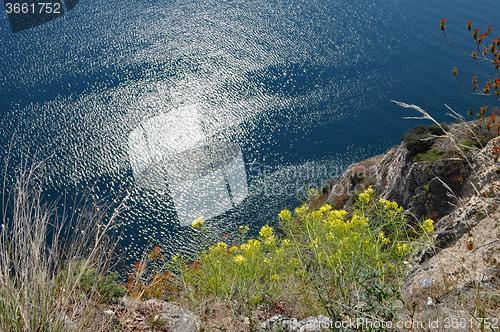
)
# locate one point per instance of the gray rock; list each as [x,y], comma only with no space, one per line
[430,302]
[174,317]
[109,312]
[426,283]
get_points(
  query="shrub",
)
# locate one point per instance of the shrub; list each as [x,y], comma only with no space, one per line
[341,259]
[421,138]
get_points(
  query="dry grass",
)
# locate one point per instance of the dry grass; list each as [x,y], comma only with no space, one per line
[40,273]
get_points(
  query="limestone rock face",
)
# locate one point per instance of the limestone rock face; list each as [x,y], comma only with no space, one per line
[454,191]
[422,188]
[460,191]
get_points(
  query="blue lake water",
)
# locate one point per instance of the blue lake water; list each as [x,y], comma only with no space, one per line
[302,88]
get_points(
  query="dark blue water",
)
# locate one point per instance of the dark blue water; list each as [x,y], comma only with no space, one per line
[304,88]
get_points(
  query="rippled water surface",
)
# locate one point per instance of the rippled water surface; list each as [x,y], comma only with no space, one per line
[289,92]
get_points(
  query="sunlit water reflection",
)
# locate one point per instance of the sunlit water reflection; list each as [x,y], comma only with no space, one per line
[293,91]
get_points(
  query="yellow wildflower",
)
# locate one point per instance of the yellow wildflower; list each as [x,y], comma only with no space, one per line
[254,244]
[295,262]
[275,277]
[239,259]
[364,198]
[286,243]
[285,215]
[359,220]
[251,246]
[269,240]
[314,243]
[337,215]
[384,201]
[198,223]
[383,239]
[428,225]
[279,253]
[219,247]
[325,208]
[390,206]
[266,231]
[244,229]
[402,248]
[301,209]
[316,215]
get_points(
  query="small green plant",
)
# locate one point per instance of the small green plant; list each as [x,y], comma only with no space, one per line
[88,283]
[427,188]
[431,156]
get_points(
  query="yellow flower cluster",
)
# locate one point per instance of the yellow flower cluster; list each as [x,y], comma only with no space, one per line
[239,259]
[402,248]
[428,225]
[301,210]
[219,247]
[337,215]
[251,246]
[382,238]
[325,208]
[365,197]
[278,254]
[244,229]
[358,220]
[285,215]
[390,206]
[336,221]
[198,223]
[317,215]
[267,232]
[295,262]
